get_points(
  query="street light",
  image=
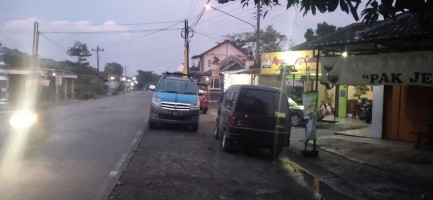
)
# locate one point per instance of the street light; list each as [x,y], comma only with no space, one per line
[112,78]
[208,7]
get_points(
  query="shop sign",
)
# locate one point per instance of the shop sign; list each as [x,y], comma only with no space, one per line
[414,68]
[272,61]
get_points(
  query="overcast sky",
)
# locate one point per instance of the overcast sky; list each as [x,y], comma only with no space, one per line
[145,48]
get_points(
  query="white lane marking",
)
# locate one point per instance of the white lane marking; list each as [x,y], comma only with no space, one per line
[123,158]
[133,142]
[113,173]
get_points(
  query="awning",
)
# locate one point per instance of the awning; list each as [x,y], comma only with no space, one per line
[243,71]
[412,68]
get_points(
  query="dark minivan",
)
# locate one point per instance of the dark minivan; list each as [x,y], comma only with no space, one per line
[253,115]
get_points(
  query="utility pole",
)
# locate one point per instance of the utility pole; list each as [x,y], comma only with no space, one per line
[35,50]
[186,35]
[97,55]
[258,35]
[125,71]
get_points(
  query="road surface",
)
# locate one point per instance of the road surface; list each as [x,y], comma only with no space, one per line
[78,154]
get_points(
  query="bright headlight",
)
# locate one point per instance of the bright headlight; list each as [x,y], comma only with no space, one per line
[156,101]
[23,119]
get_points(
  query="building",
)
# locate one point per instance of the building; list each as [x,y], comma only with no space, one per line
[220,51]
[221,66]
[394,57]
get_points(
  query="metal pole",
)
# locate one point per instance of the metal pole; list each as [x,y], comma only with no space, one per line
[317,70]
[97,55]
[258,36]
[37,45]
[187,45]
[308,75]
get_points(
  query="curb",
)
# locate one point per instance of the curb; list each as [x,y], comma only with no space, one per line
[345,134]
[339,184]
[105,194]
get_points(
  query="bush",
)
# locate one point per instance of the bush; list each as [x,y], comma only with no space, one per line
[87,90]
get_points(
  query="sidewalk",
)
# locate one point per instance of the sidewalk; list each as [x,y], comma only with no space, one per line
[366,168]
[398,157]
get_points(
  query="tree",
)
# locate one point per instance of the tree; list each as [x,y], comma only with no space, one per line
[81,52]
[113,68]
[322,30]
[387,9]
[360,91]
[309,35]
[145,77]
[270,40]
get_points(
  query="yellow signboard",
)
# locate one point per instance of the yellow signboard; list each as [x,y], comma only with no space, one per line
[272,61]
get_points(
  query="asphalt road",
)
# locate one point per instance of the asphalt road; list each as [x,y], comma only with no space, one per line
[173,163]
[78,154]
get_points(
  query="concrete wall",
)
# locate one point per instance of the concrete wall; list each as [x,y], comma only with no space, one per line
[236,79]
[221,52]
[351,91]
[269,80]
[376,122]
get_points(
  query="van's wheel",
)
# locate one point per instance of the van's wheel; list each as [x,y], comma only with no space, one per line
[225,143]
[295,120]
[216,131]
[152,125]
[276,151]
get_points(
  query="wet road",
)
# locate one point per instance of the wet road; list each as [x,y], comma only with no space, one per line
[172,163]
[80,153]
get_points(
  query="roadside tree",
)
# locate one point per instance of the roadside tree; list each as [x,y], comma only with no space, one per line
[113,68]
[270,40]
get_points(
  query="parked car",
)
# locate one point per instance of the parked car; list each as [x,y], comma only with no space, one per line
[297,114]
[204,97]
[175,101]
[253,115]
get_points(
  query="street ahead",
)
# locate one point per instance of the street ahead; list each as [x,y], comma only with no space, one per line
[81,152]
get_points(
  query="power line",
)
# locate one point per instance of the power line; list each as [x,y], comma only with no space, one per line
[221,15]
[208,36]
[112,31]
[129,40]
[54,43]
[201,14]
[143,41]
[193,2]
[128,24]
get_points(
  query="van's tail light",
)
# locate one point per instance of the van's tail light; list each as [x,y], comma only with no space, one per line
[233,120]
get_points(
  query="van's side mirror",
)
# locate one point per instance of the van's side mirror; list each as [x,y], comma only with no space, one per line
[152,87]
[200,92]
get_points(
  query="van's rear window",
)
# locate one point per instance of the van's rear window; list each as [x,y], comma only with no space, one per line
[261,102]
[255,102]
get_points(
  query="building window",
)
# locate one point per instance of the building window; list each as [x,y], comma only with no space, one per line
[215,83]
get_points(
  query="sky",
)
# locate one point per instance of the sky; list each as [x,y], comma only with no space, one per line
[142,34]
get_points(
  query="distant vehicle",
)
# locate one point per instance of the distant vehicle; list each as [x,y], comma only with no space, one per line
[175,101]
[204,97]
[253,115]
[297,114]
